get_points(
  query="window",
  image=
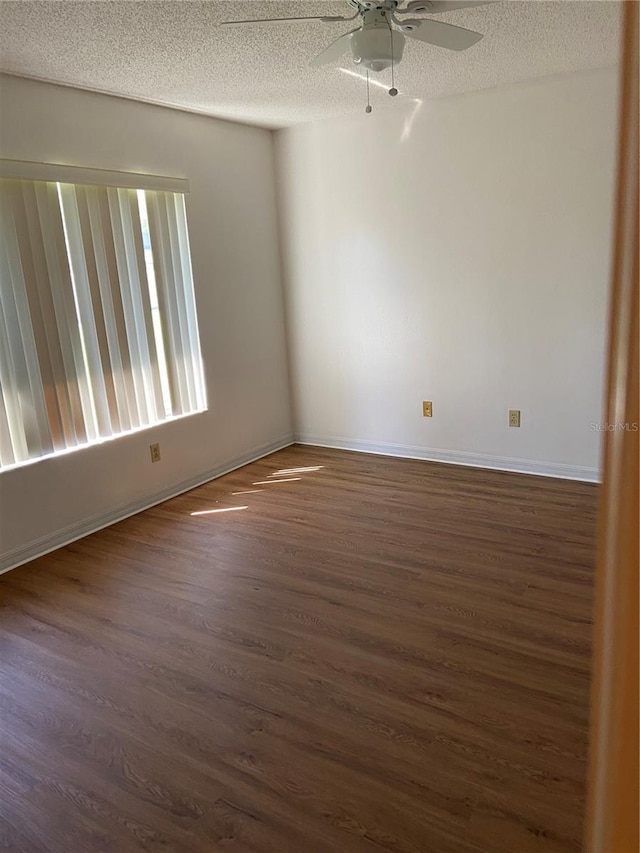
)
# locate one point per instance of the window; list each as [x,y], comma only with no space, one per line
[98,330]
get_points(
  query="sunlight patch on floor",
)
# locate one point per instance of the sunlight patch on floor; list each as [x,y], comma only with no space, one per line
[284,471]
[225,509]
[283,480]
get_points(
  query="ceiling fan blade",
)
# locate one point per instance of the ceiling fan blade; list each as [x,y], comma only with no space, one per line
[440,34]
[325,19]
[437,7]
[334,51]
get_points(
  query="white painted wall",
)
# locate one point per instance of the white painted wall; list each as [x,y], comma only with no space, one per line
[456,251]
[233,232]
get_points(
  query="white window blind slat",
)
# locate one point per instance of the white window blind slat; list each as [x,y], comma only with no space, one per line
[7,456]
[103,308]
[138,285]
[168,301]
[127,278]
[96,335]
[23,374]
[183,317]
[114,314]
[143,305]
[32,226]
[71,403]
[14,444]
[184,257]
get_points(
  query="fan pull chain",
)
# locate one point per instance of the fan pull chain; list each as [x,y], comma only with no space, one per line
[392,91]
[368,108]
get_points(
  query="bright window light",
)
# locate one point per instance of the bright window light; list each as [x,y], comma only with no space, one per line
[99,338]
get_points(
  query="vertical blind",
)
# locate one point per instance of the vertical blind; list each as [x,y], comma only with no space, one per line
[98,330]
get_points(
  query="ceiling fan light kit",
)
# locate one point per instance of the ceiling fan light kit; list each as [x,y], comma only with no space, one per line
[378,42]
[376,45]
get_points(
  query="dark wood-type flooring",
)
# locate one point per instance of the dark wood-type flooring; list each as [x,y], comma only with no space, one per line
[382,655]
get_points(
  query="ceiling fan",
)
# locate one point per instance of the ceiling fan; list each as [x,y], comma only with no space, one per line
[378,41]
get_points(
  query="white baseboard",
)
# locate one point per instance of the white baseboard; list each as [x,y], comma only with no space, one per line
[455,457]
[52,541]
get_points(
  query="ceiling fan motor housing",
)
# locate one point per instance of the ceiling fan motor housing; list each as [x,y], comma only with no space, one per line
[372,46]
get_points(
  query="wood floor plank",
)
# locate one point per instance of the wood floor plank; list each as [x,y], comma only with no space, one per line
[377,654]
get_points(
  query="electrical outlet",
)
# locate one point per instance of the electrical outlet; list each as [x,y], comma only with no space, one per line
[514,417]
[155,452]
[427,409]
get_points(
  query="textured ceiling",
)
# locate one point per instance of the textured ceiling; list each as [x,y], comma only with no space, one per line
[174,53]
